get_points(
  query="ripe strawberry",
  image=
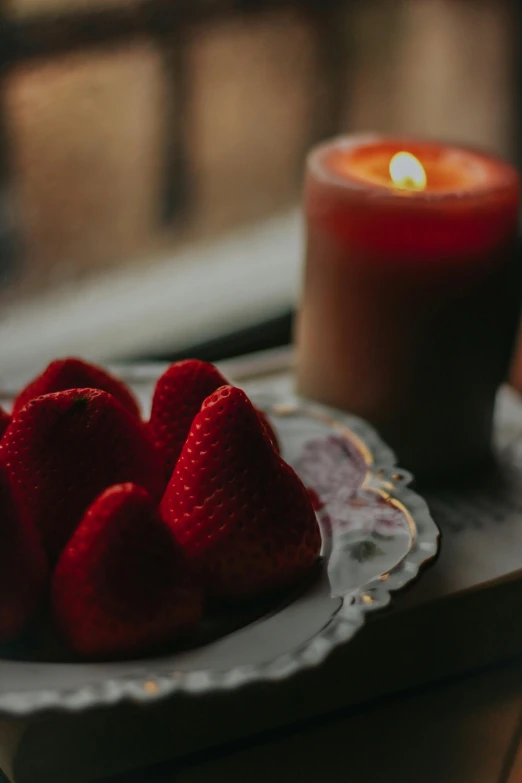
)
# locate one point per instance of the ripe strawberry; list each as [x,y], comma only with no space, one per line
[5,421]
[64,374]
[23,568]
[178,397]
[122,585]
[63,449]
[241,514]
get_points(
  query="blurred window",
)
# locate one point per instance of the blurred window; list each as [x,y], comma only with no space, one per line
[151,151]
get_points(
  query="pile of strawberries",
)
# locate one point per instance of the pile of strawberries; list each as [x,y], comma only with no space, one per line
[127,528]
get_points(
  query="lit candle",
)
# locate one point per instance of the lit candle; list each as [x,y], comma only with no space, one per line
[411,294]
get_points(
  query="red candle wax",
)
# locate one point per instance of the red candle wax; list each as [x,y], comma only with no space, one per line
[411,294]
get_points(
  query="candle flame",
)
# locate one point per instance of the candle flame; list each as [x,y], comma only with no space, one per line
[407,172]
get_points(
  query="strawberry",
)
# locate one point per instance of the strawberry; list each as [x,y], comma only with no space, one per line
[23,568]
[241,514]
[178,397]
[64,374]
[5,421]
[122,585]
[63,449]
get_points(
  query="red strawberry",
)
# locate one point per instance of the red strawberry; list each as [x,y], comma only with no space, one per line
[178,397]
[23,568]
[64,374]
[122,585]
[63,449]
[5,421]
[241,514]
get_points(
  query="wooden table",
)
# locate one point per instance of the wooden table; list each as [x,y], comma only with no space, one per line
[466,731]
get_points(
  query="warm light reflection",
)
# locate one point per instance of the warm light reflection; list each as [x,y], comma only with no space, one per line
[407,172]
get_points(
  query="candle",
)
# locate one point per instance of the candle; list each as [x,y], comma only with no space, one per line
[411,294]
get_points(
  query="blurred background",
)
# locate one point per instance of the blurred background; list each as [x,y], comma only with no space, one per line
[151,153]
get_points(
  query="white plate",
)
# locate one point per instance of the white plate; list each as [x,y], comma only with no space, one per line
[377,533]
